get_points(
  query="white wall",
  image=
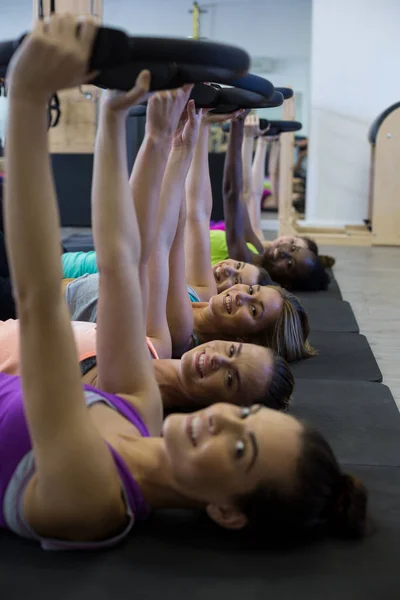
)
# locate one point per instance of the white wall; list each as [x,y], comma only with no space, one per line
[279,29]
[354,77]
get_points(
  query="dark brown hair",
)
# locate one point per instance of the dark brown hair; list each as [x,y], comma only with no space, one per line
[323,498]
[278,393]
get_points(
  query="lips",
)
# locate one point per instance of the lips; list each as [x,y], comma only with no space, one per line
[200,363]
[228,303]
[193,425]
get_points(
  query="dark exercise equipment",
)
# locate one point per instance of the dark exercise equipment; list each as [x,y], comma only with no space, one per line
[340,356]
[207,96]
[172,62]
[278,127]
[176,551]
[360,419]
[330,315]
[333,291]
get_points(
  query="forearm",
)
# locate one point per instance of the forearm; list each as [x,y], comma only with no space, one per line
[258,177]
[247,157]
[145,184]
[115,229]
[198,184]
[30,206]
[167,223]
[232,190]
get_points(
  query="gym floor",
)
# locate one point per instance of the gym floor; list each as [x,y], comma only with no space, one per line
[369,279]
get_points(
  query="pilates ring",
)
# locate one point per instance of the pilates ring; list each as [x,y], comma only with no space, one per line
[214,96]
[253,83]
[286,92]
[278,127]
[172,61]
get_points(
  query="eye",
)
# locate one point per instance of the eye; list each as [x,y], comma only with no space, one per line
[253,310]
[232,351]
[294,248]
[251,290]
[230,379]
[244,412]
[236,280]
[289,264]
[239,449]
[238,266]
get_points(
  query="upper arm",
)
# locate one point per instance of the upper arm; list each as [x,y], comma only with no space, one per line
[74,466]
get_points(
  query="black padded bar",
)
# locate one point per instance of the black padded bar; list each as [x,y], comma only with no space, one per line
[275,100]
[373,131]
[359,419]
[207,96]
[330,315]
[253,83]
[115,51]
[286,92]
[340,356]
[278,127]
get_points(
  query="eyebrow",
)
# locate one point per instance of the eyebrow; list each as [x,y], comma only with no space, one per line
[261,302]
[255,449]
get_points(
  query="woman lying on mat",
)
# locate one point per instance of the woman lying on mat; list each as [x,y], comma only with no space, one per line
[80,465]
[293,267]
[267,316]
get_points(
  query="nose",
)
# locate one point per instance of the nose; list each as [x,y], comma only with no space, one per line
[241,298]
[284,253]
[218,360]
[220,421]
[228,271]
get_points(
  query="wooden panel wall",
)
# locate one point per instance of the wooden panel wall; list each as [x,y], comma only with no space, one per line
[76,130]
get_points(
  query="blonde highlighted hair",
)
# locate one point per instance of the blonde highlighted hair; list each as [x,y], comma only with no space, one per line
[289,335]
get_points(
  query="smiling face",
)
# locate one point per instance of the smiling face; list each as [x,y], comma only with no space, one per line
[225,451]
[231,272]
[245,311]
[289,263]
[227,371]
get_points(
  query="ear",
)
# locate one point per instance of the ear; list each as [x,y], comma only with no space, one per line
[228,517]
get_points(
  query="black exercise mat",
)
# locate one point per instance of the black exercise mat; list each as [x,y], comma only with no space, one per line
[359,419]
[330,315]
[78,242]
[333,291]
[176,556]
[340,356]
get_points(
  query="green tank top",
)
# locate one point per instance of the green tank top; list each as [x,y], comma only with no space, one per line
[219,247]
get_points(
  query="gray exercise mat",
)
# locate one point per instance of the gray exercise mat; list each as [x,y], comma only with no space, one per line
[330,315]
[359,419]
[340,356]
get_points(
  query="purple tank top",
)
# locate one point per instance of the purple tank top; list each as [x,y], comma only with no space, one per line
[15,441]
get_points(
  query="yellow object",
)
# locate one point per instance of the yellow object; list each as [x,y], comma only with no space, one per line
[196,20]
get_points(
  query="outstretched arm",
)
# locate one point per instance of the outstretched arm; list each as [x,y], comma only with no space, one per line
[75,492]
[145,183]
[199,206]
[121,332]
[235,211]
[167,222]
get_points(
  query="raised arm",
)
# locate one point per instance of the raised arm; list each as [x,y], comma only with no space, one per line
[253,171]
[235,211]
[76,481]
[124,364]
[145,183]
[199,206]
[173,104]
